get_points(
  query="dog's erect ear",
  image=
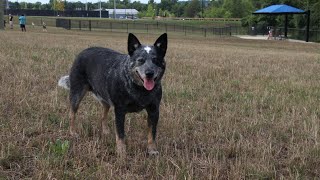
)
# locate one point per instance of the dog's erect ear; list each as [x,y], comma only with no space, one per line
[133,43]
[161,44]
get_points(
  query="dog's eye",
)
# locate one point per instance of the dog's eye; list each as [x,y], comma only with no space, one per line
[158,62]
[140,60]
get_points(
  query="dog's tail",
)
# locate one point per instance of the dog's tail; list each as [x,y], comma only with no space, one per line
[64,82]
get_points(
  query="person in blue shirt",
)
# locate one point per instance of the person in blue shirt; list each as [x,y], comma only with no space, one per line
[22,22]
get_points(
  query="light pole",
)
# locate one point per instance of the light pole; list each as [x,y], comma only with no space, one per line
[100,8]
[7,6]
[54,7]
[114,9]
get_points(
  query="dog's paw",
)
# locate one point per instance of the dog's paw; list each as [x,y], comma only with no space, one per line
[105,131]
[74,134]
[121,150]
[152,149]
[153,153]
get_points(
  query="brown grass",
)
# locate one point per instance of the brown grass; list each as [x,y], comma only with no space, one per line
[232,109]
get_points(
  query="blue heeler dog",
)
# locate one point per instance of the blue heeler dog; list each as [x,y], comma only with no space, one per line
[130,83]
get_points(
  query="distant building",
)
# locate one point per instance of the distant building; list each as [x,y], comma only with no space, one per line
[123,13]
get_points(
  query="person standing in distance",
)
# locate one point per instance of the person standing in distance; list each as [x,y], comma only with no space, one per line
[22,22]
[11,21]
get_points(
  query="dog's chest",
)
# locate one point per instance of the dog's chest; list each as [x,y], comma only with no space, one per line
[132,107]
[140,102]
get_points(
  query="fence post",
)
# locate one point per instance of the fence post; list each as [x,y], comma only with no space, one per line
[147,28]
[89,25]
[80,25]
[308,26]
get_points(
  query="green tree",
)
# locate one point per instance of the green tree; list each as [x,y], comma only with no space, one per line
[37,5]
[23,5]
[315,15]
[178,9]
[192,9]
[237,8]
[138,6]
[215,12]
[167,4]
[57,5]
[46,7]
[150,11]
[1,15]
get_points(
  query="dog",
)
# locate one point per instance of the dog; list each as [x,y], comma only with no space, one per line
[44,27]
[128,82]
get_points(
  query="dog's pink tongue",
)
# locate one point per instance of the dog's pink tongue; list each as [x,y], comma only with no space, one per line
[148,84]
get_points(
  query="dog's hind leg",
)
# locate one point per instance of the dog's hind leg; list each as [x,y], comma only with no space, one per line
[120,134]
[76,95]
[103,121]
[72,126]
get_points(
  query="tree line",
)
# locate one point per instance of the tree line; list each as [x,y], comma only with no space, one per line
[194,8]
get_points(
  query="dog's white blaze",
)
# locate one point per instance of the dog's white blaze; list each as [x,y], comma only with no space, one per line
[148,49]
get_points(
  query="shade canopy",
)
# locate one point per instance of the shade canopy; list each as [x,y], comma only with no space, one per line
[285,9]
[280,9]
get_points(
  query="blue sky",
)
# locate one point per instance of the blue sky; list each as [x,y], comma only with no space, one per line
[93,1]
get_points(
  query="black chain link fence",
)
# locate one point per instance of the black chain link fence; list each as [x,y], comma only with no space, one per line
[156,27]
[278,33]
[143,27]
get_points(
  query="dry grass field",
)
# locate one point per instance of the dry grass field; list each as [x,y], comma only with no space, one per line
[232,109]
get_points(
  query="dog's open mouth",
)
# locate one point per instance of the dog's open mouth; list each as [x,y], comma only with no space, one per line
[148,83]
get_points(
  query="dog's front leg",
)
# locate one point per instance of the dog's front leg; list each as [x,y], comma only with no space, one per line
[120,134]
[153,117]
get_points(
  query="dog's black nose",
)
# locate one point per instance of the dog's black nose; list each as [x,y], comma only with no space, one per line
[149,74]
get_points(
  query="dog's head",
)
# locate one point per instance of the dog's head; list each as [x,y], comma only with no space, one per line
[147,62]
